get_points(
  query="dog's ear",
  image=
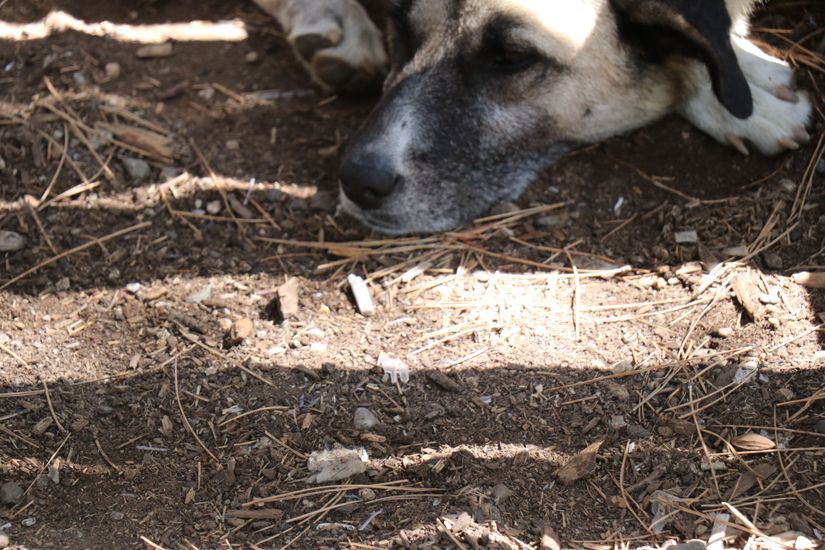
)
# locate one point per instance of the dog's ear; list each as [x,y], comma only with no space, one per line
[695,28]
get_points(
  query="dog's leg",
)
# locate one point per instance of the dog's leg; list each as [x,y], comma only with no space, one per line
[780,115]
[335,40]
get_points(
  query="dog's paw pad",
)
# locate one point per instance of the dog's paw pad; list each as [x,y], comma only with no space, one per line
[336,41]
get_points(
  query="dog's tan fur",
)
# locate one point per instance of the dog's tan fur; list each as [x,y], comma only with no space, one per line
[592,86]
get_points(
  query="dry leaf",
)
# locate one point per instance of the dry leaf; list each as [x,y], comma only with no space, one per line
[753,442]
[581,465]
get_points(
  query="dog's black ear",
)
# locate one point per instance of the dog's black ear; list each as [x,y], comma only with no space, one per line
[695,28]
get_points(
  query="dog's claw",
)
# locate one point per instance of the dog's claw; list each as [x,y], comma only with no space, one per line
[785,93]
[801,135]
[788,144]
[737,143]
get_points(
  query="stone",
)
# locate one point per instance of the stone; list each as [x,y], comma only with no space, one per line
[364,419]
[11,241]
[138,169]
[11,493]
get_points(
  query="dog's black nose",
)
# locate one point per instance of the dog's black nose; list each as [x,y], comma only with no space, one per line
[367,180]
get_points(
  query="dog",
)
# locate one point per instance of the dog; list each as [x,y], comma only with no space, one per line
[480,96]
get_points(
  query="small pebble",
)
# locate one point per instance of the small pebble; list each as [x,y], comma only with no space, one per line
[773,260]
[367,494]
[233,145]
[769,299]
[11,241]
[364,419]
[724,332]
[11,493]
[787,185]
[28,522]
[686,237]
[112,70]
[63,284]
[138,169]
[241,330]
[251,57]
[154,50]
[213,207]
[133,288]
[117,516]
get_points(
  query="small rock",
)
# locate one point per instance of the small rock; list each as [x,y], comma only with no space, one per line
[138,169]
[63,284]
[787,185]
[117,516]
[104,410]
[549,539]
[28,522]
[502,492]
[724,332]
[318,347]
[769,299]
[251,57]
[233,145]
[241,330]
[820,426]
[688,236]
[112,70]
[773,260]
[11,493]
[133,288]
[336,464]
[364,419]
[154,50]
[213,207]
[367,494]
[11,241]
[197,297]
[786,394]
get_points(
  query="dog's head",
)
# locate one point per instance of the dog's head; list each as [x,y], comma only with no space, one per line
[484,94]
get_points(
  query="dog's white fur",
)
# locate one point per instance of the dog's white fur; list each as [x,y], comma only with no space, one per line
[598,92]
[353,40]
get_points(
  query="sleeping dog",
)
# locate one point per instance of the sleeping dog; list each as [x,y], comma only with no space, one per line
[479,96]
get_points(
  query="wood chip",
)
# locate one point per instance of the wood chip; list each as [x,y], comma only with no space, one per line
[444,382]
[581,465]
[146,141]
[809,279]
[753,442]
[362,295]
[747,294]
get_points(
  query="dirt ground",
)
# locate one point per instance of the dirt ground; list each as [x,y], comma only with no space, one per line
[177,336]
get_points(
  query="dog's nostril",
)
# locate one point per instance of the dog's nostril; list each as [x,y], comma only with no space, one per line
[368,182]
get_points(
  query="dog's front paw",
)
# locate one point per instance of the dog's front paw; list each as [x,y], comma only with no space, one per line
[335,40]
[780,114]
